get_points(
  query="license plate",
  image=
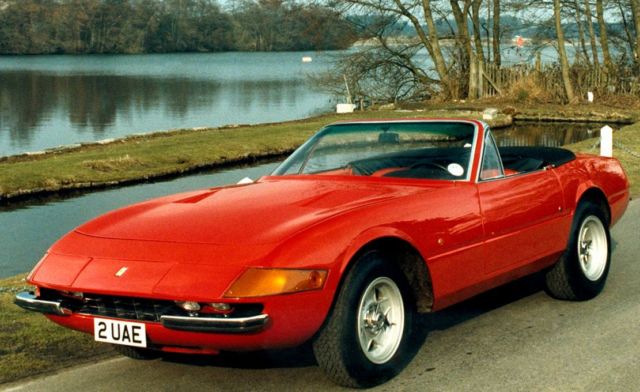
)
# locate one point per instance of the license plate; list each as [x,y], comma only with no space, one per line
[119,332]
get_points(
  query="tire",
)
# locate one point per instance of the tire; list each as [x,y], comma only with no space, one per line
[581,272]
[136,352]
[366,338]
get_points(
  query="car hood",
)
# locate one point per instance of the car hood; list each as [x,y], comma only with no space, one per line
[264,212]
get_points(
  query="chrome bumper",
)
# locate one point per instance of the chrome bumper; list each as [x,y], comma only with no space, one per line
[29,301]
[215,324]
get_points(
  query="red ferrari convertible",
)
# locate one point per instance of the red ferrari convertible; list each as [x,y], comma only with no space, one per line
[363,226]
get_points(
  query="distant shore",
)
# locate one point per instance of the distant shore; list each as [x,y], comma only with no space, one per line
[172,153]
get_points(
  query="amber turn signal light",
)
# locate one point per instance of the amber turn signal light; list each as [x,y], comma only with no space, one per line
[259,282]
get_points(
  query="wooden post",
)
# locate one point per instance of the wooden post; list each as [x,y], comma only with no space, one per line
[606,141]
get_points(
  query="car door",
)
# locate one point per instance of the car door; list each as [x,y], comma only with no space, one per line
[521,213]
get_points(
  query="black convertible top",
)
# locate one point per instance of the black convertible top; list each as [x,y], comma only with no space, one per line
[525,159]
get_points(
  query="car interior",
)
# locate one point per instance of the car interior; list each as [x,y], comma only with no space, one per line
[527,159]
[435,163]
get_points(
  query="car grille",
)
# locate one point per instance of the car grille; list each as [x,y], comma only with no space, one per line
[128,308]
[131,308]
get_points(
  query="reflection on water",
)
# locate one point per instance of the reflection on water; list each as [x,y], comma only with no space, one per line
[545,134]
[46,101]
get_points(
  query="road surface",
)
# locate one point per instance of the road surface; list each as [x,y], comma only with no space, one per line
[514,338]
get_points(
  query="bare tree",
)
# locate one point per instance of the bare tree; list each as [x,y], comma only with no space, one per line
[579,23]
[477,35]
[635,7]
[469,63]
[564,63]
[497,60]
[604,39]
[624,7]
[592,33]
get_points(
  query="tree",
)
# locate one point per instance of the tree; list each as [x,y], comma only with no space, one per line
[497,60]
[564,63]
[592,34]
[578,18]
[604,40]
[635,6]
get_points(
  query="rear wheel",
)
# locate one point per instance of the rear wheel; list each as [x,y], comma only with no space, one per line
[365,341]
[581,272]
[136,352]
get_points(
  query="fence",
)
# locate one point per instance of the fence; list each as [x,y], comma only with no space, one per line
[619,80]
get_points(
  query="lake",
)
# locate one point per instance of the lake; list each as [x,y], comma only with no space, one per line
[47,101]
[27,229]
[52,100]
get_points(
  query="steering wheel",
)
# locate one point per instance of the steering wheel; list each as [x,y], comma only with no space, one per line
[428,163]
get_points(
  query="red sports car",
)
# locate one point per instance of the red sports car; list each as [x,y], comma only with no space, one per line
[364,225]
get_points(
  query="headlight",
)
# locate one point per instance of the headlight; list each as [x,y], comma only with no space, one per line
[259,282]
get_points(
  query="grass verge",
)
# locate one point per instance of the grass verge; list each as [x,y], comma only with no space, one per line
[626,148]
[170,153]
[30,344]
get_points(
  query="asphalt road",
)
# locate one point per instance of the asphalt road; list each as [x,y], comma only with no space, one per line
[514,338]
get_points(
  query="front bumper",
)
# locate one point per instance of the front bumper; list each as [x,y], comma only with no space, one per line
[29,301]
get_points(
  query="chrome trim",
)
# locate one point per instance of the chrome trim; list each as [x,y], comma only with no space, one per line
[487,131]
[27,300]
[215,324]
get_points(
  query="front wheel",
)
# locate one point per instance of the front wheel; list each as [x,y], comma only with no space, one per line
[365,341]
[582,271]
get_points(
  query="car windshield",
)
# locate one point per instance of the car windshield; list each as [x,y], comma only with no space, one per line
[426,149]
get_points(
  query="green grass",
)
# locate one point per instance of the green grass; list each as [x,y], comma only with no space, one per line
[31,344]
[625,139]
[169,153]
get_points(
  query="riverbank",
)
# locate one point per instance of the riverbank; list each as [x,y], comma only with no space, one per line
[165,154]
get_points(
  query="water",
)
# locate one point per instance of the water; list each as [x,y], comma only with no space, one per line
[545,134]
[47,101]
[27,230]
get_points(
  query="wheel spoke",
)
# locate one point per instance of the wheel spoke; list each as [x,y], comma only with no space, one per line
[371,344]
[377,295]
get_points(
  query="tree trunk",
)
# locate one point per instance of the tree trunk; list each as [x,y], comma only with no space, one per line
[477,35]
[496,33]
[592,33]
[564,63]
[436,51]
[604,39]
[464,40]
[583,45]
[635,6]
[627,31]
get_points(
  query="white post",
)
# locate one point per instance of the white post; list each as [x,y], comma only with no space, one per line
[606,141]
[590,97]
